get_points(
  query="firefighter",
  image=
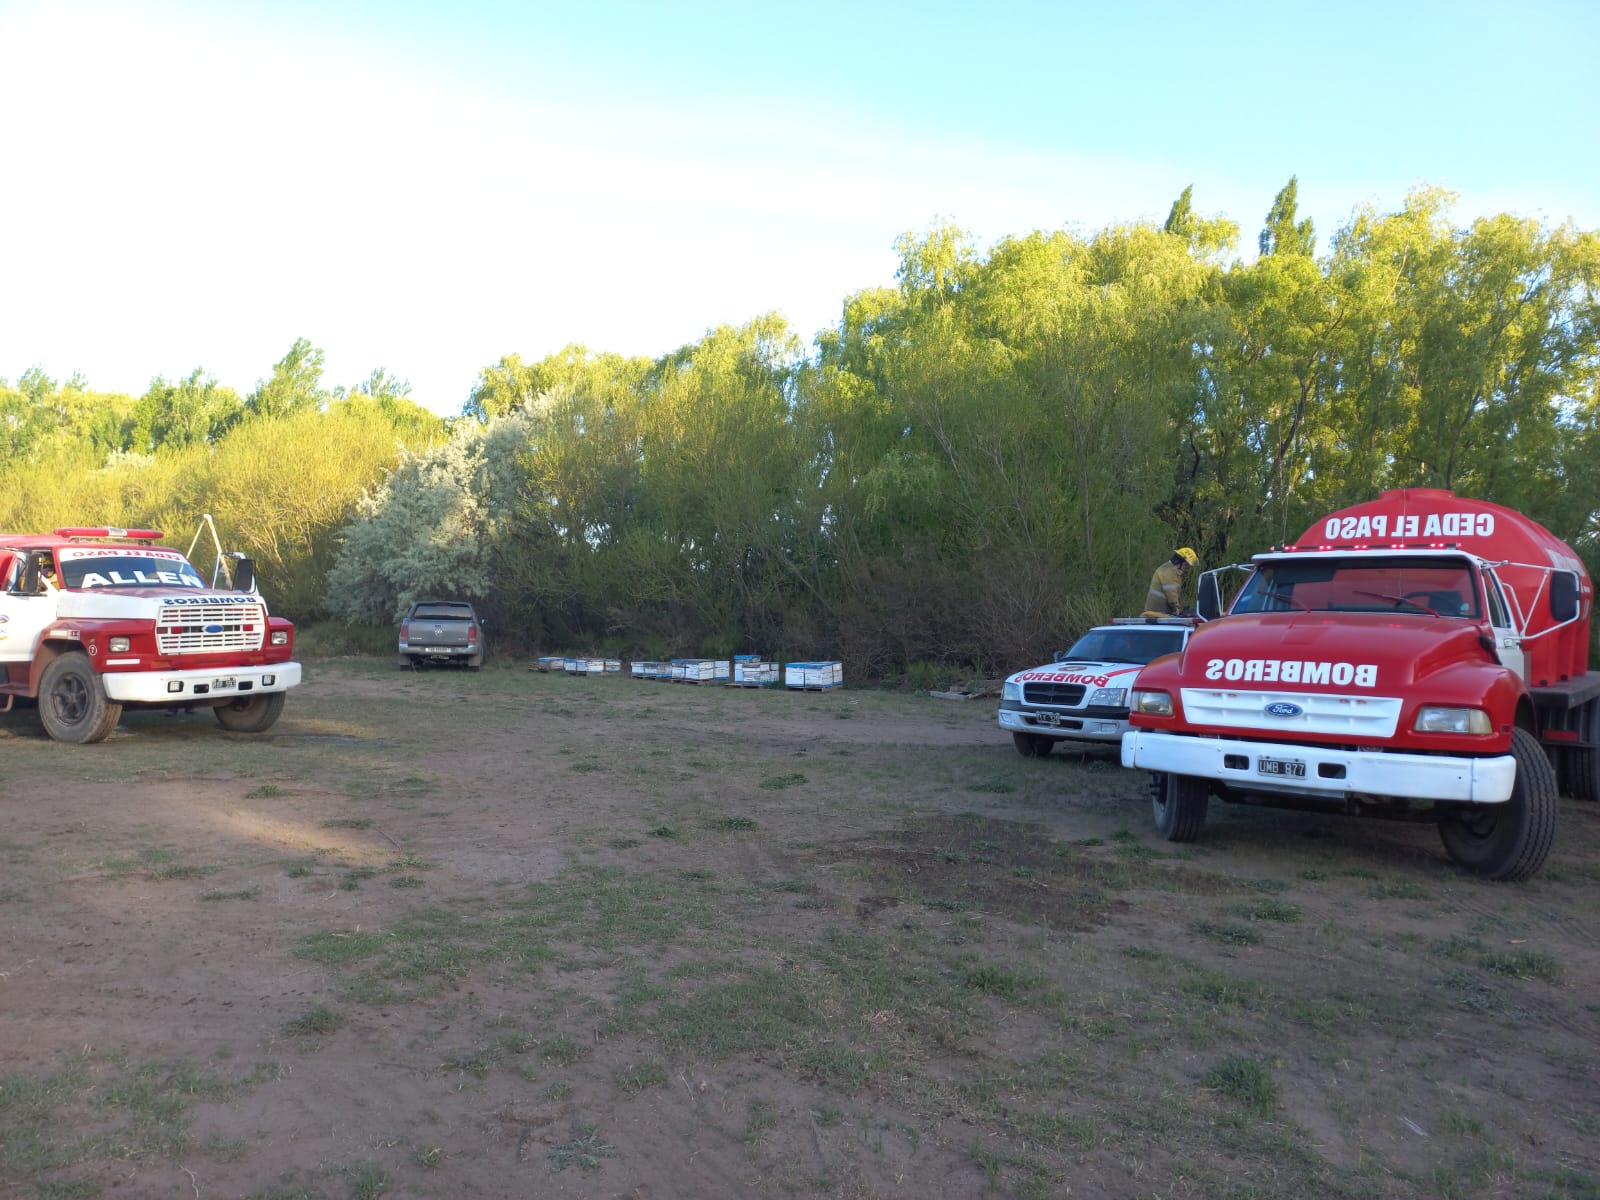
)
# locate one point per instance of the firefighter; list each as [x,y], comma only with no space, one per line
[1167,582]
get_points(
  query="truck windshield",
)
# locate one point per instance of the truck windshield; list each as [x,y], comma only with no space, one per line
[1124,645]
[103,567]
[1425,587]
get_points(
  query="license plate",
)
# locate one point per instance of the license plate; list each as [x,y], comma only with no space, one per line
[1291,767]
[436,650]
[227,681]
[1050,719]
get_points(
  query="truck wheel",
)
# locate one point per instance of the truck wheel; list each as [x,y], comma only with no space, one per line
[1580,765]
[1510,840]
[250,714]
[72,703]
[1179,805]
[1031,745]
[1583,773]
[405,662]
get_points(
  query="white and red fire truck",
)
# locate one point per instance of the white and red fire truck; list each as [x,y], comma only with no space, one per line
[1421,656]
[93,621]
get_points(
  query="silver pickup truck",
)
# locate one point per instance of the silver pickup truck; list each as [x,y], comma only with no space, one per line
[441,631]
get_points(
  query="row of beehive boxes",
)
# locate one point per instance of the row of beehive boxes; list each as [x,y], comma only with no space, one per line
[743,670]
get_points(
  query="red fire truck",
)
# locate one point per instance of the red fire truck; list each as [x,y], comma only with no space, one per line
[96,620]
[1421,656]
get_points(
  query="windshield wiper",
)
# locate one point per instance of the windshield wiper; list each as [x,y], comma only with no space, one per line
[1397,601]
[1286,598]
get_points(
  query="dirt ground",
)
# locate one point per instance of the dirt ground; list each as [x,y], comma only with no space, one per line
[185,1033]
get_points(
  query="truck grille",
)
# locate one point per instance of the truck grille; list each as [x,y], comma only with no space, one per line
[211,628]
[1339,716]
[1067,695]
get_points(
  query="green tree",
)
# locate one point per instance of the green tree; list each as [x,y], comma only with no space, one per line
[294,385]
[196,410]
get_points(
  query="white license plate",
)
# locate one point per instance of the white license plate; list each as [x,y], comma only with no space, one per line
[227,681]
[436,650]
[1291,767]
[1047,718]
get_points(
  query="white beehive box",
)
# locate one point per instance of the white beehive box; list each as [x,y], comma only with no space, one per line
[813,676]
[749,671]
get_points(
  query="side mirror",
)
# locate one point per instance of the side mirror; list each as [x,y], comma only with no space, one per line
[1564,595]
[1208,597]
[244,575]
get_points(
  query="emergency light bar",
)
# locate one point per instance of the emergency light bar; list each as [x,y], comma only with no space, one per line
[108,532]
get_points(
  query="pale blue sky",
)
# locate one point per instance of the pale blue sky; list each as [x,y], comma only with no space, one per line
[425,187]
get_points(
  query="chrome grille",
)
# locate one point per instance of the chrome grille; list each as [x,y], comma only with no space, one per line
[1067,695]
[211,628]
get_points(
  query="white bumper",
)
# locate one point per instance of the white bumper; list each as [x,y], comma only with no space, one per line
[1328,772]
[1092,729]
[212,683]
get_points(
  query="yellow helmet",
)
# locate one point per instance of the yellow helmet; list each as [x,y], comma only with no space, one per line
[1188,555]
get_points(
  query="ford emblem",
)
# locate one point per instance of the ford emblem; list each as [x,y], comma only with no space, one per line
[1282,708]
[213,628]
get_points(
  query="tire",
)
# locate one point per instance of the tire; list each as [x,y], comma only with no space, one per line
[475,662]
[1178,803]
[250,714]
[1582,771]
[1031,745]
[1508,841]
[72,702]
[405,662]
[1580,768]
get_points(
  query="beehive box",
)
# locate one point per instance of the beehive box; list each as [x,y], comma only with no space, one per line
[750,671]
[636,668]
[700,670]
[595,666]
[813,676]
[613,666]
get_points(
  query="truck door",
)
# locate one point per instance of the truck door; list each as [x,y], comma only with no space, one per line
[24,615]
[1507,638]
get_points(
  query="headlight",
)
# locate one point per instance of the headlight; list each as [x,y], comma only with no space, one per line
[117,645]
[280,637]
[1109,698]
[1011,691]
[1437,719]
[1155,704]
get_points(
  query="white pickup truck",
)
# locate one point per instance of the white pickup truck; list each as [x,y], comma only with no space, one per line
[1083,695]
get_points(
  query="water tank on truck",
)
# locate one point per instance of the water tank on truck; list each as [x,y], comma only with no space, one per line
[1422,656]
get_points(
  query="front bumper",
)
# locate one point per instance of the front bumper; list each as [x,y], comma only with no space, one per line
[211,683]
[1085,728]
[1329,773]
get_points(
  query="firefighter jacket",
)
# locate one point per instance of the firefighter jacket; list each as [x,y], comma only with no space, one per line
[1165,585]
